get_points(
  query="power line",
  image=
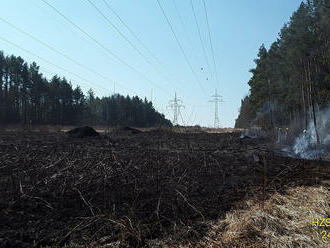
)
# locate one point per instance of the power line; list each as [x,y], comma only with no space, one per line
[129,42]
[180,46]
[185,33]
[44,69]
[132,32]
[140,42]
[132,45]
[49,62]
[102,46]
[200,36]
[184,29]
[58,52]
[212,50]
[182,24]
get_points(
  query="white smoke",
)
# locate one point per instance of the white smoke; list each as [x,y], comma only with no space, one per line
[306,146]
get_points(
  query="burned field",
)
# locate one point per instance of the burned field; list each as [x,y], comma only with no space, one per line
[150,189]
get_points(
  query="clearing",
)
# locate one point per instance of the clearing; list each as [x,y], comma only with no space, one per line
[157,188]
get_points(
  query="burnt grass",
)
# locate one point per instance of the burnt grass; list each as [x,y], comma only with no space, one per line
[131,188]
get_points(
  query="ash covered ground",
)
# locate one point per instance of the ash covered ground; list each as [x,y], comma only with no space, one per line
[150,189]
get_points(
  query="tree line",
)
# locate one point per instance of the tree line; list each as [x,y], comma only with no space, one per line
[28,98]
[291,81]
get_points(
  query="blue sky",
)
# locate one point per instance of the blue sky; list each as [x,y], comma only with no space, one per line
[237,29]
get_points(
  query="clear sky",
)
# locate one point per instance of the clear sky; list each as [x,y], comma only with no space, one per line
[152,65]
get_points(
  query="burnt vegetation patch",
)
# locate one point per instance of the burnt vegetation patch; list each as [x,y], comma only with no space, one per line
[134,190]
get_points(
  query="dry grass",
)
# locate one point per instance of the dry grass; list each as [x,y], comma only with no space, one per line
[284,220]
[223,130]
[106,129]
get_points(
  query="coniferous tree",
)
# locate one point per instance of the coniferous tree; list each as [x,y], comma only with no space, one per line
[26,97]
[293,75]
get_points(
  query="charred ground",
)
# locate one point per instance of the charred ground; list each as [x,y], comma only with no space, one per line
[128,190]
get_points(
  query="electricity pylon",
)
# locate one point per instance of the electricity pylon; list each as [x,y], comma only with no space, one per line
[216,98]
[175,105]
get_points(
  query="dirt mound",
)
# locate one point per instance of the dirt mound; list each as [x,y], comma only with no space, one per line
[81,132]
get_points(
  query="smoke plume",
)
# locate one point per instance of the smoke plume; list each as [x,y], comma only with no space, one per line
[306,146]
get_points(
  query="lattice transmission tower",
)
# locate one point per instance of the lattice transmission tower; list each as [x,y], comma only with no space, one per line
[216,98]
[176,104]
